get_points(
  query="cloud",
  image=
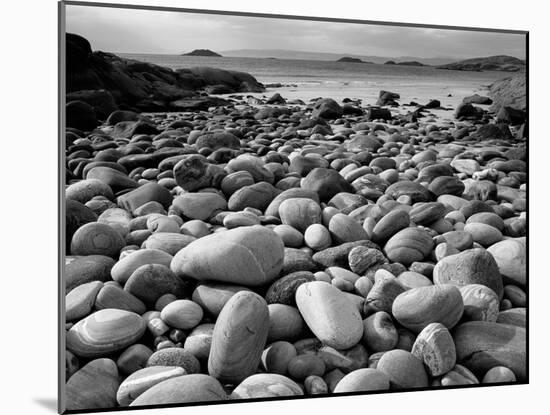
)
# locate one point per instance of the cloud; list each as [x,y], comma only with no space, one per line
[148,31]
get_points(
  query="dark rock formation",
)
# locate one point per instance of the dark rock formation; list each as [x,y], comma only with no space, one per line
[387,98]
[145,86]
[202,52]
[489,63]
[509,92]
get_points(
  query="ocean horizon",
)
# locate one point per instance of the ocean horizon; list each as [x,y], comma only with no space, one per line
[308,79]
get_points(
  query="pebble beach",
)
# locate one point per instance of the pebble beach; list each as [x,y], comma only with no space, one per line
[274,247]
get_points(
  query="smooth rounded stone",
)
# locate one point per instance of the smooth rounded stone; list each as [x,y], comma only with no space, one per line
[112,296]
[379,332]
[480,303]
[427,213]
[285,322]
[473,266]
[151,281]
[362,258]
[338,255]
[461,240]
[194,172]
[277,355]
[299,213]
[411,279]
[145,194]
[84,190]
[83,269]
[97,239]
[475,206]
[431,171]
[234,220]
[252,164]
[304,365]
[435,347]
[162,224]
[124,268]
[326,183]
[315,385]
[182,314]
[332,378]
[273,208]
[487,218]
[446,185]
[116,218]
[499,374]
[482,345]
[303,165]
[235,181]
[195,228]
[76,215]
[363,380]
[182,389]
[257,196]
[143,379]
[251,255]
[409,245]
[443,250]
[163,301]
[200,206]
[458,376]
[342,273]
[239,338]
[513,316]
[383,293]
[418,307]
[415,191]
[115,179]
[329,314]
[455,202]
[133,358]
[175,356]
[80,300]
[199,341]
[344,229]
[511,258]
[93,387]
[283,290]
[362,286]
[212,297]
[290,236]
[137,237]
[404,369]
[266,385]
[105,331]
[485,235]
[466,166]
[390,224]
[317,237]
[516,295]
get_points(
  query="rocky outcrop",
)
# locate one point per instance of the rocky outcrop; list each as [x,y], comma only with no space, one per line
[489,63]
[145,86]
[349,59]
[509,92]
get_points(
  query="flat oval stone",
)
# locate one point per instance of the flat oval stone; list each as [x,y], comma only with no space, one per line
[511,258]
[239,338]
[182,314]
[212,297]
[124,268]
[345,229]
[473,266]
[200,206]
[199,341]
[251,255]
[409,245]
[363,380]
[169,242]
[300,213]
[404,369]
[80,300]
[93,387]
[390,224]
[97,239]
[415,191]
[103,332]
[329,315]
[133,358]
[85,190]
[82,269]
[112,296]
[138,382]
[175,356]
[266,385]
[149,282]
[182,389]
[483,234]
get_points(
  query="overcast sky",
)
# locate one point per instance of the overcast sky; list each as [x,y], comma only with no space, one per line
[148,31]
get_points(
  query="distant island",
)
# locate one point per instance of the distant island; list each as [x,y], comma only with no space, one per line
[389,63]
[350,59]
[405,63]
[202,52]
[489,63]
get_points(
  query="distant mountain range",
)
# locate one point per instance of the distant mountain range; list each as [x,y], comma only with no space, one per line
[294,54]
